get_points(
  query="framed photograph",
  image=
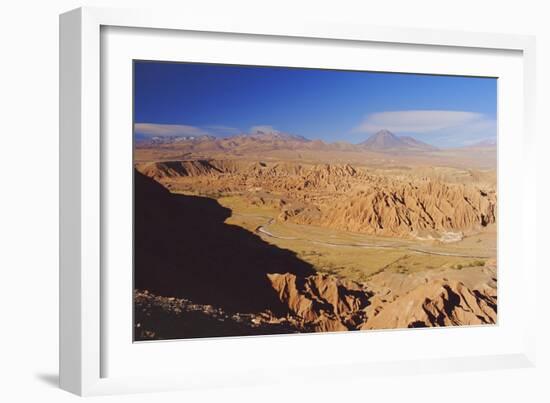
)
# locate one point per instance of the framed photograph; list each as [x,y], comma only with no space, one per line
[238,196]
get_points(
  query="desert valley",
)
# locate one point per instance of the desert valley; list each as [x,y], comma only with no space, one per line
[270,233]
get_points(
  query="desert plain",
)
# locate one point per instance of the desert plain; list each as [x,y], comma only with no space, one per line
[272,233]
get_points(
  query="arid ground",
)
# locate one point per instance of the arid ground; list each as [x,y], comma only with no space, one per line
[272,233]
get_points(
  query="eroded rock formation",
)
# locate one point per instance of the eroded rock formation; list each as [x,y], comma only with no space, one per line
[326,303]
[340,196]
[438,303]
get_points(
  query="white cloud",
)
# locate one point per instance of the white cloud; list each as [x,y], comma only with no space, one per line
[155,129]
[421,121]
[263,129]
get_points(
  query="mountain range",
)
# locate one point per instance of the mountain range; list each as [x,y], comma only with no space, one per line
[381,141]
[384,140]
[483,144]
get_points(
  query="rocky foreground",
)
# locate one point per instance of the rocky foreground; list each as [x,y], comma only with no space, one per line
[321,303]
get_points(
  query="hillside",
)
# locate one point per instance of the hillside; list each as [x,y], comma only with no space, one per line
[340,196]
[384,140]
[198,276]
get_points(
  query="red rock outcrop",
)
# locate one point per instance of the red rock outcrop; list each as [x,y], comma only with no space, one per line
[437,303]
[323,301]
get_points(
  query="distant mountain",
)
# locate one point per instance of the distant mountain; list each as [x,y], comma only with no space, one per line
[384,140]
[275,135]
[417,144]
[267,141]
[173,139]
[487,143]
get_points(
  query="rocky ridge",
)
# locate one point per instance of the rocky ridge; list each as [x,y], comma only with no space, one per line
[321,303]
[340,196]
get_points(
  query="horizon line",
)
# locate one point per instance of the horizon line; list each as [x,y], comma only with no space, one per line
[274,131]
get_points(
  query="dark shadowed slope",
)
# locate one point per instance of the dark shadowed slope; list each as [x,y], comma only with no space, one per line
[183,248]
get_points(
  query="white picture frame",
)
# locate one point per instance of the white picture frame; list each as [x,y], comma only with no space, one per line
[83,296]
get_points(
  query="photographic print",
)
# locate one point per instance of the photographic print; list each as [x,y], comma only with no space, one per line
[276,200]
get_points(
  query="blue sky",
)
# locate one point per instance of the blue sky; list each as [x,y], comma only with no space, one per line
[222,100]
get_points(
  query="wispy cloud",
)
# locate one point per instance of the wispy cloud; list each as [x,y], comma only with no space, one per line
[160,130]
[156,129]
[440,127]
[419,121]
[465,134]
